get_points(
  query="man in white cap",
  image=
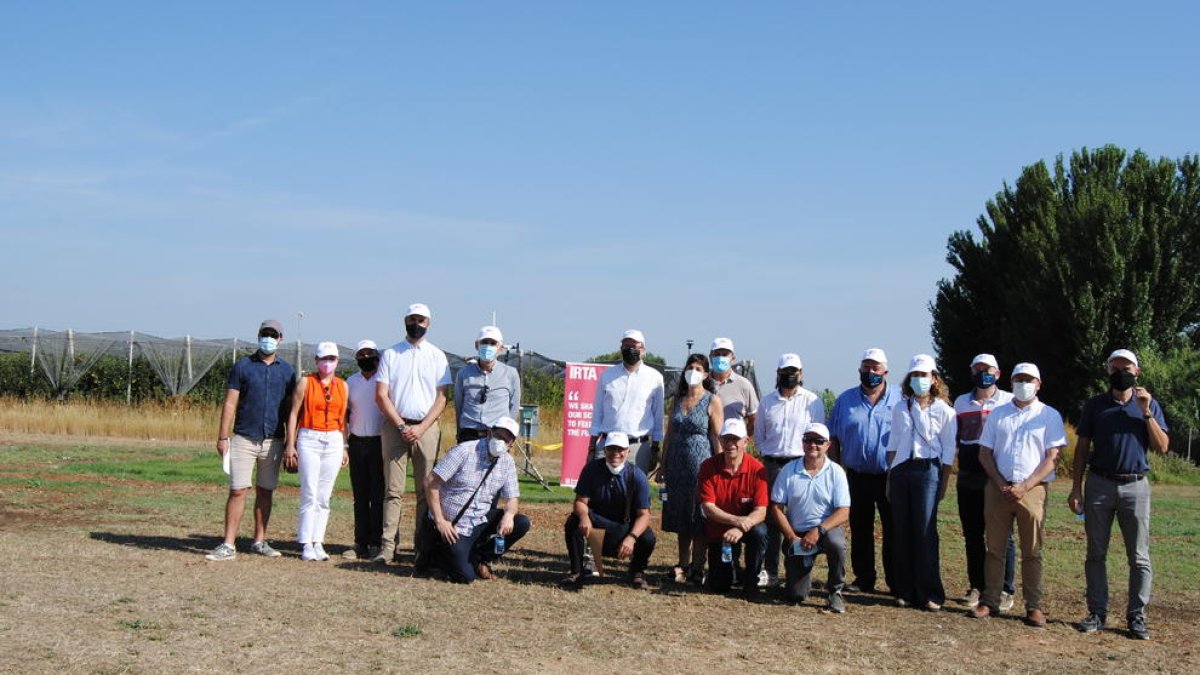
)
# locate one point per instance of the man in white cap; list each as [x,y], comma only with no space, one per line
[1018,450]
[466,532]
[366,452]
[736,392]
[810,501]
[860,424]
[629,399]
[733,494]
[410,388]
[782,417]
[258,399]
[1117,431]
[971,410]
[612,500]
[485,389]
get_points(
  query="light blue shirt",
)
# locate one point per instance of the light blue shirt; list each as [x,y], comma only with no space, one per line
[862,429]
[810,499]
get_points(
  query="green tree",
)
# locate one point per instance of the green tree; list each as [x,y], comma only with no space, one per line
[1099,253]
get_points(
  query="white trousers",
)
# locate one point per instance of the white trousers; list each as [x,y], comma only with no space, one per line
[319,454]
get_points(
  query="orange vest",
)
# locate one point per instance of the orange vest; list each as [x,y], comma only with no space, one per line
[324,409]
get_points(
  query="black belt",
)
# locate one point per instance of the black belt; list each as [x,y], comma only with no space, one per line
[771,459]
[471,434]
[922,461]
[411,422]
[639,439]
[1122,478]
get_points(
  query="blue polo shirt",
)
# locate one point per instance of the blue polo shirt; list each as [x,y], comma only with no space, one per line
[606,493]
[1120,441]
[264,396]
[810,499]
[862,429]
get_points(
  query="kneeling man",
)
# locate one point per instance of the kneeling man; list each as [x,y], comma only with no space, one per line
[810,502]
[465,532]
[612,513]
[733,496]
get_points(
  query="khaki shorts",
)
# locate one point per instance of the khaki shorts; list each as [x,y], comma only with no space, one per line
[244,453]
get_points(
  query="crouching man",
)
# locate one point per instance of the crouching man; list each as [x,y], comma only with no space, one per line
[733,496]
[464,532]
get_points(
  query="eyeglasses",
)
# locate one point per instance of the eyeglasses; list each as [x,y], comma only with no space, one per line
[483,394]
[269,332]
[813,440]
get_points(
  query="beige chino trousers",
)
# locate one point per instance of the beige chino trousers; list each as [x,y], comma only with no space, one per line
[396,453]
[998,516]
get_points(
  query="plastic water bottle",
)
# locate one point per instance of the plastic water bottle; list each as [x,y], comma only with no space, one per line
[1079,517]
[662,494]
[498,545]
[726,552]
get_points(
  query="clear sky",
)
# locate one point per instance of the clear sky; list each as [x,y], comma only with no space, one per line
[785,174]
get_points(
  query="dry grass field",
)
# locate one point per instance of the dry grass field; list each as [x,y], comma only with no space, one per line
[103,572]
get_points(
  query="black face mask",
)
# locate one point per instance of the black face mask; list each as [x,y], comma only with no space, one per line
[870,380]
[983,379]
[1122,380]
[368,364]
[415,330]
[788,380]
[630,355]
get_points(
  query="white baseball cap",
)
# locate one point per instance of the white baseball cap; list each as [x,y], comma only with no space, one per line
[1123,354]
[365,344]
[874,354]
[734,427]
[818,429]
[922,363]
[988,359]
[721,343]
[616,439]
[490,333]
[634,334]
[327,349]
[419,310]
[1026,369]
[789,361]
[509,425]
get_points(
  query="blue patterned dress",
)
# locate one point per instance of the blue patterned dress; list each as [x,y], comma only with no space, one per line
[689,447]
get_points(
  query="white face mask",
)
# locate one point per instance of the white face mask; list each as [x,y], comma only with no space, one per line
[615,470]
[497,447]
[693,377]
[1024,391]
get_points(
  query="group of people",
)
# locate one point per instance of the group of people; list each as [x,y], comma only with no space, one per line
[882,450]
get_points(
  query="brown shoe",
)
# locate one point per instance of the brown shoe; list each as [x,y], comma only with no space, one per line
[484,572]
[1035,618]
[980,611]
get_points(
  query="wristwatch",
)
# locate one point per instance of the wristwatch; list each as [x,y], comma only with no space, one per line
[821,530]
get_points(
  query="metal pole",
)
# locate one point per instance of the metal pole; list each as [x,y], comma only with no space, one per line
[188,356]
[33,352]
[233,360]
[129,382]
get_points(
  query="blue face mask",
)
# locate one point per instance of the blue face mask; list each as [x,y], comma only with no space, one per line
[267,345]
[721,364]
[920,385]
[488,352]
[870,380]
[984,379]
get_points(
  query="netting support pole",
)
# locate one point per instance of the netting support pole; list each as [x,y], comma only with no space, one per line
[33,352]
[233,361]
[188,353]
[129,381]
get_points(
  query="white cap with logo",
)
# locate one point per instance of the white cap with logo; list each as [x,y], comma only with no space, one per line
[721,343]
[490,333]
[635,335]
[327,349]
[922,363]
[734,427]
[789,361]
[986,358]
[508,424]
[365,344]
[1026,369]
[874,354]
[419,310]
[818,429]
[616,439]
[1123,354]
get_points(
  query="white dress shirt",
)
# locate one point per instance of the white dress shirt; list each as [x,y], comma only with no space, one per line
[413,374]
[365,416]
[1020,437]
[630,402]
[923,433]
[780,422]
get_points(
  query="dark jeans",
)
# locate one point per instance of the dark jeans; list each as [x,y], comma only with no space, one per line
[799,568]
[868,493]
[774,536]
[614,532]
[917,562]
[458,560]
[970,514]
[721,575]
[366,480]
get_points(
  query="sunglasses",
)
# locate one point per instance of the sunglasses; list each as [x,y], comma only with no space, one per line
[813,440]
[483,394]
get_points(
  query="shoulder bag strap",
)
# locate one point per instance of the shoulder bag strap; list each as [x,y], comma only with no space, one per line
[471,499]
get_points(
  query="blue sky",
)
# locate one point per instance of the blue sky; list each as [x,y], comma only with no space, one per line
[785,174]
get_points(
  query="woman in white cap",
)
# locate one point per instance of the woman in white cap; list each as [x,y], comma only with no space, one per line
[316,446]
[920,453]
[693,434]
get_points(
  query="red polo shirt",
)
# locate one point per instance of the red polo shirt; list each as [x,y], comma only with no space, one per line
[734,493]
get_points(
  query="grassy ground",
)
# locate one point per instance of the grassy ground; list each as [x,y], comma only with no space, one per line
[101,555]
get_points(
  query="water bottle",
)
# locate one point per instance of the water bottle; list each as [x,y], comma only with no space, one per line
[662,494]
[1079,517]
[726,552]
[498,545]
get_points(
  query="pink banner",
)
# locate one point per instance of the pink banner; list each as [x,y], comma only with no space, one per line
[579,395]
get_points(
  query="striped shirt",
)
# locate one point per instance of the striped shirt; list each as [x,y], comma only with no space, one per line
[461,469]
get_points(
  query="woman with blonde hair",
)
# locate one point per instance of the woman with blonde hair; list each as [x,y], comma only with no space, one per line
[316,445]
[920,453]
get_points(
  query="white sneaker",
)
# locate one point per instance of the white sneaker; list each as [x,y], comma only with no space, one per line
[222,552]
[309,553]
[1007,600]
[764,579]
[971,598]
[319,550]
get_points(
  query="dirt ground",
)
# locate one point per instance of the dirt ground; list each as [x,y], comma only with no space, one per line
[101,584]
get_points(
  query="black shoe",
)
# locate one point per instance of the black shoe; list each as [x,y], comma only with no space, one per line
[1138,629]
[574,582]
[1091,623]
[859,587]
